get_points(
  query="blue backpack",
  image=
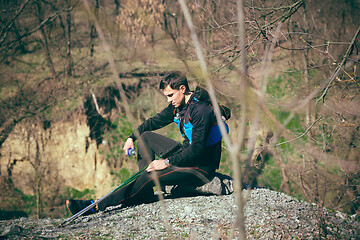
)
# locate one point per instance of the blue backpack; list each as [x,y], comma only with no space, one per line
[215,135]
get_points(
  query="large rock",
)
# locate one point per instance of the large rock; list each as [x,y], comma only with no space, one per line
[11,230]
[220,185]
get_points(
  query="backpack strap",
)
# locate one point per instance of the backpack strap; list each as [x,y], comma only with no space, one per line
[204,96]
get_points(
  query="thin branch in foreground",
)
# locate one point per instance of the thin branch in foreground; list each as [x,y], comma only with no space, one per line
[240,222]
[205,73]
[110,59]
[125,103]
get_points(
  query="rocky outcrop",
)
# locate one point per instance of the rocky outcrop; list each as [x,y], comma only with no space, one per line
[59,156]
[220,185]
[268,215]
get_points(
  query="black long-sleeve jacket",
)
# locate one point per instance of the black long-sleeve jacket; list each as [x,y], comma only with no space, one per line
[195,121]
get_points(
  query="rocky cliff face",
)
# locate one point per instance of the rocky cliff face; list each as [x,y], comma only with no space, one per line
[59,155]
[268,215]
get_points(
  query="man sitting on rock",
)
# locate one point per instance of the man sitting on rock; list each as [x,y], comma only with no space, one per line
[192,163]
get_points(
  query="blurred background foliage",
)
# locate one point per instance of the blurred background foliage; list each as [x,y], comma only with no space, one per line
[54,63]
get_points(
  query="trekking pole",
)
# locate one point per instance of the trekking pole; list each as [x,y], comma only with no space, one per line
[131,179]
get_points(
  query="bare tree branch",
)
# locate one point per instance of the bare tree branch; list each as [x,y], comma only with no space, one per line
[6,29]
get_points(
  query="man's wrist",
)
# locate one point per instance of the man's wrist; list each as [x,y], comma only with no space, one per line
[166,162]
[132,137]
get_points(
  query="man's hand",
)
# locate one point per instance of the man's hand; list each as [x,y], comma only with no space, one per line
[128,144]
[156,165]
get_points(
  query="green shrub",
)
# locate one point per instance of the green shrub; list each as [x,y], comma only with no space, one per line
[120,129]
[122,175]
[271,175]
[28,200]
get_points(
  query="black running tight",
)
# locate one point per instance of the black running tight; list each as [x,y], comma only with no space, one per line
[141,190]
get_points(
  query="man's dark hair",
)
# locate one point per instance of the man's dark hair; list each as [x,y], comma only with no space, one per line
[174,79]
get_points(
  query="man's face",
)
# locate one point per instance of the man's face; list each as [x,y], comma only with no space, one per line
[176,97]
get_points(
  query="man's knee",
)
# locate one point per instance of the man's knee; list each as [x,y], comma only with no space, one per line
[151,137]
[146,135]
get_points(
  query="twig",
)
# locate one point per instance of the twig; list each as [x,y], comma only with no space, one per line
[233,151]
[204,70]
[327,84]
[11,23]
[96,104]
[111,61]
[341,67]
[140,74]
[49,19]
[301,135]
[155,178]
[266,63]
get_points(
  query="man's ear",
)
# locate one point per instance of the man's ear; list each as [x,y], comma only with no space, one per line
[182,88]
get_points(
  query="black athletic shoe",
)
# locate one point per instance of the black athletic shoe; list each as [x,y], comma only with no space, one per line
[75,206]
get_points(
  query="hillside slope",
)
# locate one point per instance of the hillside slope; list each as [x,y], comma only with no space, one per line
[269,215]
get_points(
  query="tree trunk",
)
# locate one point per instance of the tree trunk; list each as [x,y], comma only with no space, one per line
[308,118]
[92,37]
[69,64]
[46,45]
[47,54]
